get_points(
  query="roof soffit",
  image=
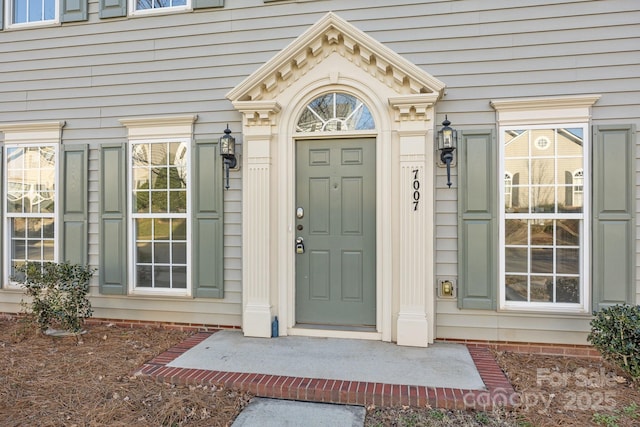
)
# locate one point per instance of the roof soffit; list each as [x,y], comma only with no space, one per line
[333,35]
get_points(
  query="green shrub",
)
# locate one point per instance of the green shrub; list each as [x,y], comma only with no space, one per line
[615,332]
[58,294]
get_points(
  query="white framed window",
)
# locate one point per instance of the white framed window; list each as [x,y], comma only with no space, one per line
[335,111]
[159,215]
[543,236]
[30,196]
[26,13]
[144,7]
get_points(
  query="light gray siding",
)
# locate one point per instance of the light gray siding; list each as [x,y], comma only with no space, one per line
[92,74]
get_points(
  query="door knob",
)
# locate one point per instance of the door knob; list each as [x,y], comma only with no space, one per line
[299,245]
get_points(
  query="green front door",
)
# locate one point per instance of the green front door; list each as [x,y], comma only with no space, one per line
[336,220]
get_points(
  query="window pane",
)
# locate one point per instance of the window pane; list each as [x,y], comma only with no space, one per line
[568,232]
[179,253]
[516,143]
[142,201]
[516,288]
[568,261]
[19,249]
[335,112]
[144,254]
[180,277]
[178,201]
[161,228]
[162,253]
[541,289]
[179,229]
[542,232]
[162,276]
[34,228]
[47,228]
[144,277]
[543,199]
[516,232]
[516,260]
[19,227]
[35,10]
[542,142]
[19,11]
[568,289]
[49,9]
[541,260]
[34,250]
[48,250]
[144,229]
[542,171]
[158,201]
[175,180]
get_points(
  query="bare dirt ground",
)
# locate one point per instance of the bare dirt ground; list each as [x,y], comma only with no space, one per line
[47,381]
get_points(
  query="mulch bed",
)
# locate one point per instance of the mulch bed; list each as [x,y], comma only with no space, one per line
[53,381]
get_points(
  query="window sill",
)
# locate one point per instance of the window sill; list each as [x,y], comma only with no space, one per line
[542,308]
[160,11]
[32,25]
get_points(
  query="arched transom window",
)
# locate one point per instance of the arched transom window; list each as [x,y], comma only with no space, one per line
[335,111]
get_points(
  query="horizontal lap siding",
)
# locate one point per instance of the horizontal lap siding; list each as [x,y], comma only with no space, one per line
[93,74]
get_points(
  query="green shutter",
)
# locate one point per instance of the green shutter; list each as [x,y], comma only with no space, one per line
[613,259]
[113,220]
[477,226]
[207,220]
[1,14]
[74,204]
[202,4]
[73,10]
[112,8]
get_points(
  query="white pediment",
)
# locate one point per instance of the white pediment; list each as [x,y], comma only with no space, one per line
[332,35]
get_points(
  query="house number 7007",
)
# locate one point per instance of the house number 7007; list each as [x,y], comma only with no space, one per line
[416,190]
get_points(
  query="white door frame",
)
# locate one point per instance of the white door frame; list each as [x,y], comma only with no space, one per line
[335,56]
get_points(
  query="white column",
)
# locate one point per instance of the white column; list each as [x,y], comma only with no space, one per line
[415,213]
[256,219]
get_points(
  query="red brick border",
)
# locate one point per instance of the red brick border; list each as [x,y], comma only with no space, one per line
[570,350]
[498,388]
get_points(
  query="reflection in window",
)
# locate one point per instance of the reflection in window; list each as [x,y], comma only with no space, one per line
[508,190]
[159,213]
[578,184]
[25,11]
[335,112]
[543,217]
[158,4]
[30,203]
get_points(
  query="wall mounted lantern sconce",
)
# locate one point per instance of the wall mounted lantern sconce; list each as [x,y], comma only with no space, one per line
[447,143]
[228,153]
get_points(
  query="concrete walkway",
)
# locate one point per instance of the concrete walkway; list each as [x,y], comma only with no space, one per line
[292,370]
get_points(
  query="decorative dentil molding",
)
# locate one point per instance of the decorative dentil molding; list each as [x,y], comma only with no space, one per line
[333,35]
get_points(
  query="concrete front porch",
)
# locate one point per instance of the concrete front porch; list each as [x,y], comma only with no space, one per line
[354,372]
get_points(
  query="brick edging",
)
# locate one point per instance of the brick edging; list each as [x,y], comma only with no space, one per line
[570,350]
[499,389]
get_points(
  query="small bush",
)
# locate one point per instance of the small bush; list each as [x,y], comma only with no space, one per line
[615,332]
[57,294]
